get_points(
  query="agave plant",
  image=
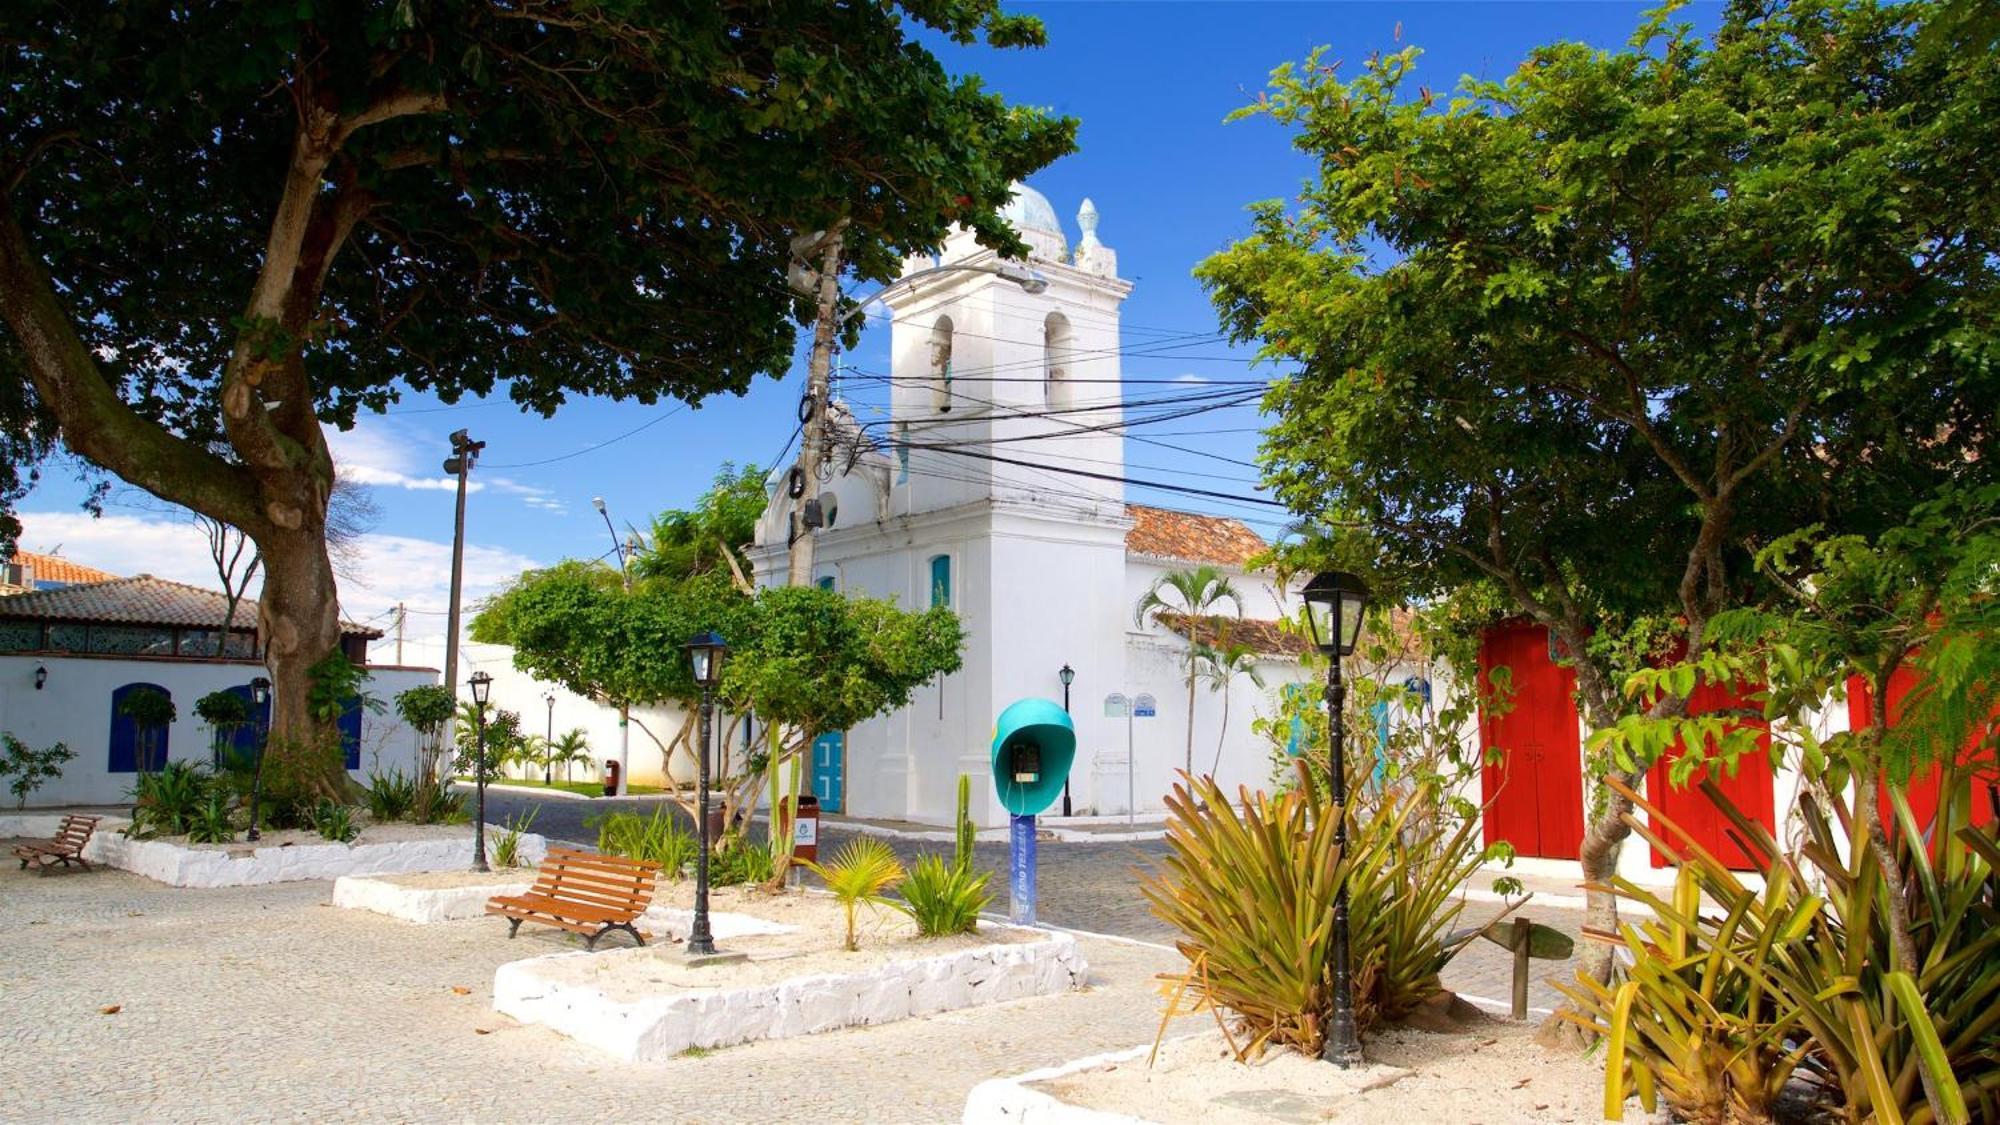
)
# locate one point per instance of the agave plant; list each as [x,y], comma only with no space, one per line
[945,898]
[859,872]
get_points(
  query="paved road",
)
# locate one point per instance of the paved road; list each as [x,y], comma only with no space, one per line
[1092,887]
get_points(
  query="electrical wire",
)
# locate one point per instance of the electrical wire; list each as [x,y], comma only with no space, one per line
[600,445]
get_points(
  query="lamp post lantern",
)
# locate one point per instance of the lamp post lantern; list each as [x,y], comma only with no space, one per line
[1068,676]
[260,694]
[482,690]
[1335,602]
[705,652]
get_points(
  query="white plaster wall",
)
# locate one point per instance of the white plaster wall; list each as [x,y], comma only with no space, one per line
[515,690]
[74,708]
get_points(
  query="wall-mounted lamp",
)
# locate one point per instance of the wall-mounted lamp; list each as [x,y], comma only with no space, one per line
[41,676]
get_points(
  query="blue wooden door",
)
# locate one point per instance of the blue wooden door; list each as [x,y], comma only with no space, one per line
[350,732]
[828,766]
[241,746]
[124,757]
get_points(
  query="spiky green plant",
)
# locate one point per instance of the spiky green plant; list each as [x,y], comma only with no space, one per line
[944,898]
[391,796]
[165,800]
[335,821]
[859,872]
[962,855]
[211,822]
[507,845]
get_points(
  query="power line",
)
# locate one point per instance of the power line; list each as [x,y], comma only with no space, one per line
[600,445]
[1119,479]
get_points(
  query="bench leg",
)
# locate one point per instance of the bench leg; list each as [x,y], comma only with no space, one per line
[513,927]
[590,943]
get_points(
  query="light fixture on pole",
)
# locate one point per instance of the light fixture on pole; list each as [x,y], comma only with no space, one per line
[705,653]
[41,676]
[260,695]
[549,740]
[482,690]
[618,789]
[1068,676]
[1335,604]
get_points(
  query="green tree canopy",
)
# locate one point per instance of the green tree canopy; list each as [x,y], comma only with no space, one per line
[710,536]
[225,225]
[1589,335]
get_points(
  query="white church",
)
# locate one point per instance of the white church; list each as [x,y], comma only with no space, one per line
[1045,569]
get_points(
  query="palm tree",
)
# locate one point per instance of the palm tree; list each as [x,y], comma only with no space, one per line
[570,749]
[1192,595]
[1219,667]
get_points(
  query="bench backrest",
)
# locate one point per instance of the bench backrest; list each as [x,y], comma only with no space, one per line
[75,832]
[612,882]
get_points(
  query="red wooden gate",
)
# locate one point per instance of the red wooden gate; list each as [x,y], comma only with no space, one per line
[1749,788]
[1923,788]
[1534,793]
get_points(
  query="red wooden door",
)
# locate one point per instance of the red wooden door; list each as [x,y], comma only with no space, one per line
[1923,788]
[1749,788]
[1533,793]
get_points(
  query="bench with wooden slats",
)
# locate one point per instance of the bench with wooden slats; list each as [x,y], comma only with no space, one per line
[65,849]
[585,893]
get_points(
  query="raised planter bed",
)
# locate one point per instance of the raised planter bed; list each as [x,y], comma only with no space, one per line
[1494,1074]
[649,1004]
[284,857]
[455,896]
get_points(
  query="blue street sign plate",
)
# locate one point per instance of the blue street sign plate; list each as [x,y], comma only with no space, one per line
[1145,707]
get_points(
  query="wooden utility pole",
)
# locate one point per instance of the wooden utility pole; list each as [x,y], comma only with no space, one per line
[464,452]
[812,446]
[400,614]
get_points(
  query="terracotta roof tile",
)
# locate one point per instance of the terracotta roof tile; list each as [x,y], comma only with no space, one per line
[1262,637]
[56,569]
[1163,533]
[144,600]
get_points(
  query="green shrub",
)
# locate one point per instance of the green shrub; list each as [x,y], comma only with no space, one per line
[435,801]
[391,796]
[659,838]
[211,822]
[945,898]
[507,845]
[165,801]
[334,821]
[30,768]
[860,872]
[737,860]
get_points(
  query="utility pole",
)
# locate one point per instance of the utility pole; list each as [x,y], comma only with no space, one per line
[401,613]
[805,511]
[464,453]
[624,709]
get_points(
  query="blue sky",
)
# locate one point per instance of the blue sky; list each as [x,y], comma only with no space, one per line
[1150,83]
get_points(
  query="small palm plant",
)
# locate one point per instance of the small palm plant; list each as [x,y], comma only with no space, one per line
[1184,601]
[570,748]
[860,872]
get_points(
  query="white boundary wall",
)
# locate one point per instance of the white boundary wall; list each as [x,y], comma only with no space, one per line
[664,1026]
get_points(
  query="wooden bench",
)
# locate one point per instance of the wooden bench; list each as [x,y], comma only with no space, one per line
[585,893]
[66,848]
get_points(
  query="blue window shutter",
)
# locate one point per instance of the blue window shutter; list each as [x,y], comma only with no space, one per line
[350,732]
[941,580]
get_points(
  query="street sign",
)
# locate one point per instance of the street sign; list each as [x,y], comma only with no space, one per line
[1145,706]
[1115,705]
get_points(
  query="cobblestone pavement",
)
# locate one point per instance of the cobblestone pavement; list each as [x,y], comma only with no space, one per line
[1095,887]
[266,1003]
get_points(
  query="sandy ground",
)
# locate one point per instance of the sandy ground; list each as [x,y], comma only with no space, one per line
[1495,1076]
[811,945]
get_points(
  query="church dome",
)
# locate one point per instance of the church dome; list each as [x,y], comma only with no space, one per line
[1030,213]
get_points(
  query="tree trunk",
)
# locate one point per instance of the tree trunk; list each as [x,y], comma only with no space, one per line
[1190,725]
[299,621]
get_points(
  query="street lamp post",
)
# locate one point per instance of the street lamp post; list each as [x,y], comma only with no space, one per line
[260,695]
[549,741]
[624,709]
[464,455]
[1068,677]
[482,689]
[705,652]
[1334,605]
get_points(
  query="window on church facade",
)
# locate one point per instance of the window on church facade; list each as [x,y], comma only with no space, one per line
[1058,342]
[940,365]
[827,582]
[941,580]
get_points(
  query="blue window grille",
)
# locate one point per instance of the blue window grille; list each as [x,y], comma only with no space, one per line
[941,580]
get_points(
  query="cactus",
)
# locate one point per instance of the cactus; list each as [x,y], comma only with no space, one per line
[963,858]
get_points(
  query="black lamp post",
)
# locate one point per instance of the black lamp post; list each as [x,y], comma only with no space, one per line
[1334,605]
[482,689]
[705,652]
[1068,677]
[260,694]
[549,741]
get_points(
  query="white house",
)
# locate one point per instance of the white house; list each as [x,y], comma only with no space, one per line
[70,653]
[994,387]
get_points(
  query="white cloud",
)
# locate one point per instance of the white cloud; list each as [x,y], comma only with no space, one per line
[1190,377]
[380,452]
[389,569]
[531,495]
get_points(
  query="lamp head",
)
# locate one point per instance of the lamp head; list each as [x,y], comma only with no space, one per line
[1067,675]
[598,503]
[260,691]
[1335,603]
[705,652]
[41,676]
[482,687]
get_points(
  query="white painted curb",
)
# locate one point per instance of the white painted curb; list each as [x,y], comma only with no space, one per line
[255,865]
[1009,1101]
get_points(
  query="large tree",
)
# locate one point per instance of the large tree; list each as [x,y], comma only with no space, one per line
[224,226]
[1579,339]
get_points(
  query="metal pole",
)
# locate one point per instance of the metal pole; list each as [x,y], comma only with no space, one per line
[700,942]
[479,783]
[464,457]
[1343,1045]
[1066,773]
[257,777]
[548,742]
[1131,767]
[624,709]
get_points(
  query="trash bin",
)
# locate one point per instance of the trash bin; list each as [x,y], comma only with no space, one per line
[805,830]
[611,777]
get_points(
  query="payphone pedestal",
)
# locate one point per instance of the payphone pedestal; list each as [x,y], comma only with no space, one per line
[1021,871]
